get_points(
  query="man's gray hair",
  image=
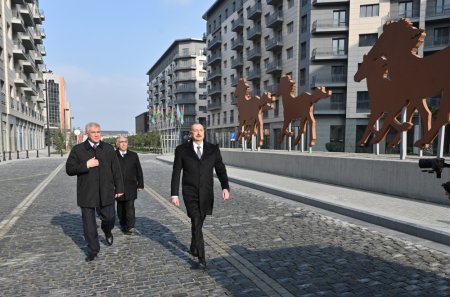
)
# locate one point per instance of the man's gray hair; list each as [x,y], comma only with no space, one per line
[118,139]
[92,124]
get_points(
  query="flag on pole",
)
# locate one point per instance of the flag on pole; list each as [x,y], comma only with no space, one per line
[178,113]
[182,115]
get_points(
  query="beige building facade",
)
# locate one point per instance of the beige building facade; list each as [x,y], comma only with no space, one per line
[21,76]
[318,43]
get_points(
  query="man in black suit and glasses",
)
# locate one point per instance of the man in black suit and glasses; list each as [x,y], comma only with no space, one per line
[198,158]
[99,182]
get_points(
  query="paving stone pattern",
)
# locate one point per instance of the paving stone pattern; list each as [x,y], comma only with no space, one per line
[303,251]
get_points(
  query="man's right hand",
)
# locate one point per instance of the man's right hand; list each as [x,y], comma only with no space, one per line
[92,163]
[175,201]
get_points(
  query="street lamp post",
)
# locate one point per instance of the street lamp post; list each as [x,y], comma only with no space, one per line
[48,123]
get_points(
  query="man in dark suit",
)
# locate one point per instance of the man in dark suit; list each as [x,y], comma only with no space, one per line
[133,180]
[99,182]
[198,159]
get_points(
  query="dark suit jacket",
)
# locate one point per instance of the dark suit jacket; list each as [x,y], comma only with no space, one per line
[96,186]
[197,182]
[133,177]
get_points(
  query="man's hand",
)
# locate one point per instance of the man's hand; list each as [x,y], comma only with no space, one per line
[92,163]
[225,194]
[175,201]
[140,189]
[118,195]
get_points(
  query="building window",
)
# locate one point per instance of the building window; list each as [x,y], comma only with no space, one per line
[218,119]
[369,10]
[225,29]
[337,134]
[290,27]
[339,18]
[232,116]
[304,25]
[405,9]
[208,122]
[213,120]
[362,101]
[441,36]
[442,6]
[224,117]
[303,50]
[202,108]
[367,39]
[302,76]
[276,110]
[338,46]
[224,81]
[224,97]
[290,3]
[290,53]
[337,101]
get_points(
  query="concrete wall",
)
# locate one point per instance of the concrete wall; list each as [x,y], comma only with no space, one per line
[384,174]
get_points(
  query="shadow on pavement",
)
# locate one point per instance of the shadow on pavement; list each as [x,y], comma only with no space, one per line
[159,233]
[72,226]
[335,271]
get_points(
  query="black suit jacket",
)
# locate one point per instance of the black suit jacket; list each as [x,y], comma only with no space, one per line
[133,177]
[96,186]
[198,174]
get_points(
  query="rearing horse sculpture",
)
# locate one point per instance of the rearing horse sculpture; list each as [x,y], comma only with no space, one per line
[300,107]
[250,111]
[417,77]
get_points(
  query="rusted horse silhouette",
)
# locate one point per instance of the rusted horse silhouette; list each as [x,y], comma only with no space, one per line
[417,77]
[386,98]
[250,111]
[300,107]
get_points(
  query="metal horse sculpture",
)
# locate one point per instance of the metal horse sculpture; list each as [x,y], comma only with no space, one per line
[299,108]
[250,111]
[385,98]
[417,77]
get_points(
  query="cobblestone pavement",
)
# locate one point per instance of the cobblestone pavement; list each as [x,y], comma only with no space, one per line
[257,245]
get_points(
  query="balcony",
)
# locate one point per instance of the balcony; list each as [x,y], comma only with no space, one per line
[214,105]
[185,66]
[254,75]
[237,25]
[274,67]
[27,66]
[235,82]
[17,23]
[332,105]
[38,35]
[186,77]
[329,2]
[436,44]
[27,41]
[21,2]
[185,54]
[214,90]
[186,100]
[237,63]
[216,41]
[254,54]
[214,74]
[329,26]
[328,54]
[274,44]
[327,80]
[272,88]
[27,15]
[254,32]
[275,19]
[438,13]
[237,43]
[217,57]
[254,12]
[274,2]
[21,80]
[185,89]
[38,16]
[19,51]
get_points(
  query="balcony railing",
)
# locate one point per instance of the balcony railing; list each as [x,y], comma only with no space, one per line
[237,24]
[274,43]
[237,43]
[274,67]
[214,58]
[438,11]
[217,40]
[254,74]
[254,32]
[235,63]
[214,105]
[214,90]
[185,89]
[335,80]
[328,2]
[214,74]
[183,66]
[274,19]
[273,2]
[254,54]
[437,43]
[329,26]
[328,53]
[254,12]
[272,88]
[235,82]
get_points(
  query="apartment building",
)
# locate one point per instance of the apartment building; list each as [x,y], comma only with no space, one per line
[318,43]
[177,81]
[59,110]
[22,123]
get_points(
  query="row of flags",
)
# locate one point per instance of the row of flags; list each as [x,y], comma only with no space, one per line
[168,115]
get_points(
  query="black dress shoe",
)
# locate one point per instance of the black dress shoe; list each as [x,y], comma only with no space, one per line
[90,258]
[109,239]
[129,231]
[202,263]
[194,253]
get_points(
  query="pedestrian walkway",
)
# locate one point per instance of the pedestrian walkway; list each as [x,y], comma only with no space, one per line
[418,218]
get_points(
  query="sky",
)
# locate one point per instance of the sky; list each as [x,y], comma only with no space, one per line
[104,48]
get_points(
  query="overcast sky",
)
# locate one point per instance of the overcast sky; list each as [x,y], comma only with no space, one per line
[104,48]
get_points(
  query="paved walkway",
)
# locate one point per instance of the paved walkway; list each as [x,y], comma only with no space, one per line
[425,220]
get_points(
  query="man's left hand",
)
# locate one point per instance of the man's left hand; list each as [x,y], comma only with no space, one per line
[225,194]
[118,195]
[140,189]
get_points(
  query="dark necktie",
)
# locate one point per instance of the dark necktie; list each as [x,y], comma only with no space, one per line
[199,152]
[94,146]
